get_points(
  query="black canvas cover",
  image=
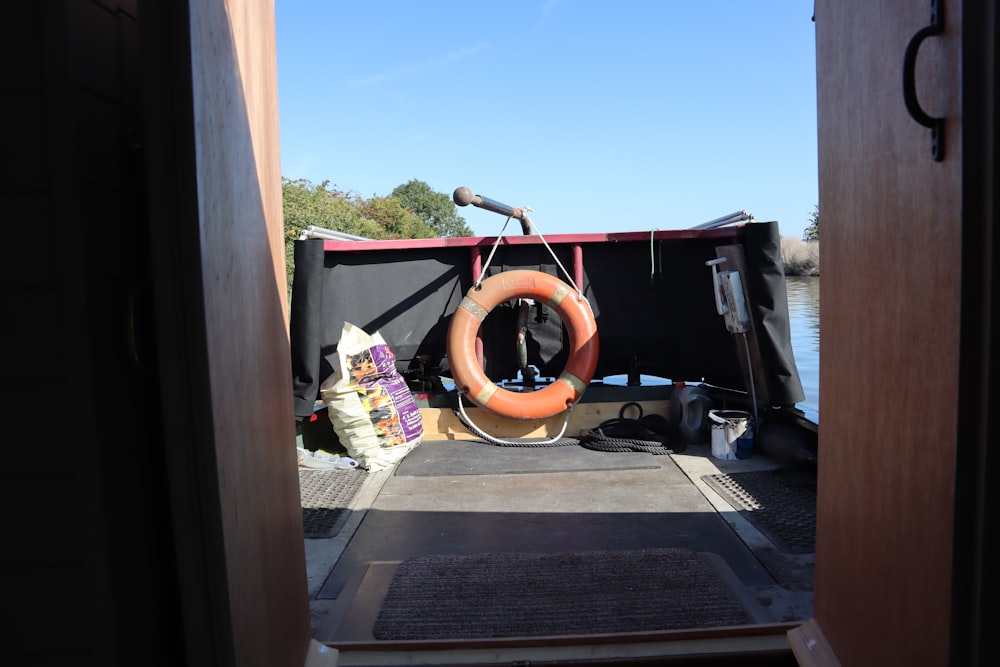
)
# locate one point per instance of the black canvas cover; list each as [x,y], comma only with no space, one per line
[651,293]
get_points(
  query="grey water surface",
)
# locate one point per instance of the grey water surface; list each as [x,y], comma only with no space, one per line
[803,311]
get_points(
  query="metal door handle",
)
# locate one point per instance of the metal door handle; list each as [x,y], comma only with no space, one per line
[936,125]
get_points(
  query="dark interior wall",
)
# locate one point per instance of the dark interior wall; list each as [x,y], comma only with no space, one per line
[150,516]
[87,567]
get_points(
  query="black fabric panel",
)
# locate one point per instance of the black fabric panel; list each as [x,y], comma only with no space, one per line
[654,305]
[305,327]
[408,296]
[769,303]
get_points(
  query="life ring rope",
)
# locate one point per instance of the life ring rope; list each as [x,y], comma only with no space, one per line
[556,441]
[576,315]
[545,243]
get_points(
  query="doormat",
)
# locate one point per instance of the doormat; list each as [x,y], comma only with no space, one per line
[781,504]
[574,593]
[438,458]
[326,496]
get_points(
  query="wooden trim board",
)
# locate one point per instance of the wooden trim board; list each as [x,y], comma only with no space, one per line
[443,424]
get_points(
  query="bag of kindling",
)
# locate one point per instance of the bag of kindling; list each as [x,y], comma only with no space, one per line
[371,408]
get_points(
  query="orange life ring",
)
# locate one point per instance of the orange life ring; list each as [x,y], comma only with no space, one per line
[576,315]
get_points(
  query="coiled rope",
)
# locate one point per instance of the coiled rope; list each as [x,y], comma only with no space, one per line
[654,434]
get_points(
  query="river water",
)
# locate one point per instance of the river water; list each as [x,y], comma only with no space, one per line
[803,311]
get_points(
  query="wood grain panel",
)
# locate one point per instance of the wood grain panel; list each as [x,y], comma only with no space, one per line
[444,424]
[890,252]
[239,202]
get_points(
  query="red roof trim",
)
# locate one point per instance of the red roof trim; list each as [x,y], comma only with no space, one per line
[561,239]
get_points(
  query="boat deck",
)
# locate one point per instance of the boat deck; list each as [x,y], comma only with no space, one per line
[461,497]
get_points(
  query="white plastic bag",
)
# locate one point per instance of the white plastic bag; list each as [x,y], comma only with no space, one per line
[324,460]
[371,408]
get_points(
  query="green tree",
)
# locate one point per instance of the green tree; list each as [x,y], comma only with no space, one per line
[393,220]
[435,208]
[306,204]
[322,205]
[811,232]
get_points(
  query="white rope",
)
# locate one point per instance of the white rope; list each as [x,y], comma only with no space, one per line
[569,278]
[489,438]
[482,272]
[531,223]
[652,258]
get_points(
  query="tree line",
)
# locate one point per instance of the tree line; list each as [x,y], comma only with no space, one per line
[413,211]
[801,257]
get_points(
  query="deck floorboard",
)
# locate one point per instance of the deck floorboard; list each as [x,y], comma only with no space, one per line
[661,506]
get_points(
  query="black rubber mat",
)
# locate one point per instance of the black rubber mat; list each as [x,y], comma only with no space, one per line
[326,499]
[781,504]
[532,595]
[438,458]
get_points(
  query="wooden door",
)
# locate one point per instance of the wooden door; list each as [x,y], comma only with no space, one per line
[216,219]
[889,342]
[893,223]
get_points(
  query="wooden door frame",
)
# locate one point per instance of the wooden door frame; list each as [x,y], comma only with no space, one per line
[974,579]
[232,528]
[181,346]
[197,512]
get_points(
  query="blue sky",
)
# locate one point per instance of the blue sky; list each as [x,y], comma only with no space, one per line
[601,116]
